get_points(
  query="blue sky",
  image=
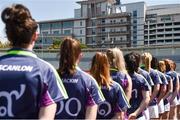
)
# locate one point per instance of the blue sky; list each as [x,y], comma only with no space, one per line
[58,9]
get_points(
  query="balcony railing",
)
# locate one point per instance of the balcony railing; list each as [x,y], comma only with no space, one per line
[113,24]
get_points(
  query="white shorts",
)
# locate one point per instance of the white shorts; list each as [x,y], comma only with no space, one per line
[167,107]
[153,111]
[146,114]
[141,118]
[161,106]
[175,102]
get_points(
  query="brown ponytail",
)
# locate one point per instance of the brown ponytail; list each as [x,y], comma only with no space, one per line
[69,53]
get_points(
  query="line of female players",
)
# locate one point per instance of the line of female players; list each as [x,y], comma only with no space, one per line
[134,86]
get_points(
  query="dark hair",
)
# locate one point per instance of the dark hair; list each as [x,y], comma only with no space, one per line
[137,56]
[131,63]
[154,63]
[19,25]
[69,52]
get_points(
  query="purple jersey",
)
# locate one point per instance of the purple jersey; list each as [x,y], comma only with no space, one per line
[146,75]
[174,77]
[116,101]
[83,91]
[163,79]
[26,84]
[119,77]
[168,79]
[139,84]
[157,81]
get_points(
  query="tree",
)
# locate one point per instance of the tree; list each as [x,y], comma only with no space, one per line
[57,43]
[5,44]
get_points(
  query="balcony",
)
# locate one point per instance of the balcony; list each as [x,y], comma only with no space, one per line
[55,35]
[113,24]
[113,33]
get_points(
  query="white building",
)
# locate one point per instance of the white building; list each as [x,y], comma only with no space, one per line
[162,25]
[108,23]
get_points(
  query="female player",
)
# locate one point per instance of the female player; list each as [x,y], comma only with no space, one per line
[163,87]
[173,99]
[162,68]
[140,89]
[118,71]
[153,107]
[29,86]
[82,89]
[116,103]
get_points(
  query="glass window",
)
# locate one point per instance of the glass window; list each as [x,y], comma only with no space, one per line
[135,13]
[67,32]
[68,24]
[56,25]
[45,26]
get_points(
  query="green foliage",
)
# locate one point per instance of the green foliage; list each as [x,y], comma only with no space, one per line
[57,43]
[5,45]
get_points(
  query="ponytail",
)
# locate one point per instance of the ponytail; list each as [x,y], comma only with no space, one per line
[69,53]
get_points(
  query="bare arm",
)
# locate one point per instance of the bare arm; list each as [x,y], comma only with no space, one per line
[155,92]
[129,88]
[142,106]
[163,90]
[91,112]
[174,94]
[119,116]
[170,89]
[47,112]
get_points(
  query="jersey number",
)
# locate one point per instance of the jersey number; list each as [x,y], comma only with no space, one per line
[67,107]
[104,112]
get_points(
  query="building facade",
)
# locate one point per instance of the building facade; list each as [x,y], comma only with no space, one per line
[162,25]
[108,23]
[98,23]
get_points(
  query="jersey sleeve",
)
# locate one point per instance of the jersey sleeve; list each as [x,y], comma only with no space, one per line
[148,78]
[164,80]
[122,102]
[45,98]
[168,77]
[145,85]
[54,84]
[96,92]
[155,77]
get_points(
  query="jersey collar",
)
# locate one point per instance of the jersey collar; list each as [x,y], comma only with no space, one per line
[20,51]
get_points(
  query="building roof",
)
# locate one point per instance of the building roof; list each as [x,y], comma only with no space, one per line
[166,9]
[61,20]
[163,6]
[90,1]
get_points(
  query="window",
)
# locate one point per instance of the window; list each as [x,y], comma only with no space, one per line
[56,25]
[80,23]
[166,18]
[80,31]
[103,38]
[67,32]
[103,20]
[135,13]
[45,26]
[45,33]
[55,32]
[68,24]
[135,21]
[103,29]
